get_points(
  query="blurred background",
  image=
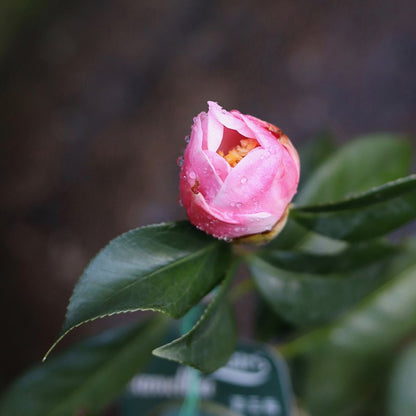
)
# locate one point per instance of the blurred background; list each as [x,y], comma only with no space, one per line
[97,96]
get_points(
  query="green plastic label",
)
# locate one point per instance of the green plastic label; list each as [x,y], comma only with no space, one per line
[254,382]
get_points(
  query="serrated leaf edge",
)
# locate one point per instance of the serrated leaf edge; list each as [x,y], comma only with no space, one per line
[67,331]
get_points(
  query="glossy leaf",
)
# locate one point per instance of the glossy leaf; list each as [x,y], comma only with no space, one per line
[379,321]
[361,164]
[385,317]
[363,217]
[296,237]
[87,376]
[166,268]
[350,258]
[402,392]
[209,344]
[306,299]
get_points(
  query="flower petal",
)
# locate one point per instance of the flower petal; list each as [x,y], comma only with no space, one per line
[247,187]
[231,120]
[197,164]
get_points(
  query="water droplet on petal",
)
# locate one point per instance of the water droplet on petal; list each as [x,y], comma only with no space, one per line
[179,161]
[238,204]
[192,175]
[232,204]
[243,179]
[187,138]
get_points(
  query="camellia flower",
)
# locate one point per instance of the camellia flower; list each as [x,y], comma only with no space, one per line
[238,175]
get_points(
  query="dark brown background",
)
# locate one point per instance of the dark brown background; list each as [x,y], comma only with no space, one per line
[96,97]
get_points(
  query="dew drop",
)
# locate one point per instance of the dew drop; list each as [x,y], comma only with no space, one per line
[238,204]
[232,204]
[243,179]
[192,175]
[179,161]
[187,138]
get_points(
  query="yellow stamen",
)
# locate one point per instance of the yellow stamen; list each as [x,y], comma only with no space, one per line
[238,152]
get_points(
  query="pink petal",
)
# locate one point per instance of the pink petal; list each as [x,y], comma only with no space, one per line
[197,165]
[213,132]
[247,187]
[229,120]
[220,165]
[261,132]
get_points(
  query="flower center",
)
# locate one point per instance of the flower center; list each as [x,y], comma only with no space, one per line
[237,153]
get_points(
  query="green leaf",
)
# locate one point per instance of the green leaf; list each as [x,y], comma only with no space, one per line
[209,344]
[350,258]
[380,321]
[295,237]
[87,376]
[385,317]
[309,298]
[361,164]
[313,154]
[363,217]
[402,392]
[350,357]
[165,267]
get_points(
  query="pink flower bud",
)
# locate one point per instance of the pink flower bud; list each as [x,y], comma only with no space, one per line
[238,175]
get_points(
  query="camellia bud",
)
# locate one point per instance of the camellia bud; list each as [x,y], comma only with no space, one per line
[238,175]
